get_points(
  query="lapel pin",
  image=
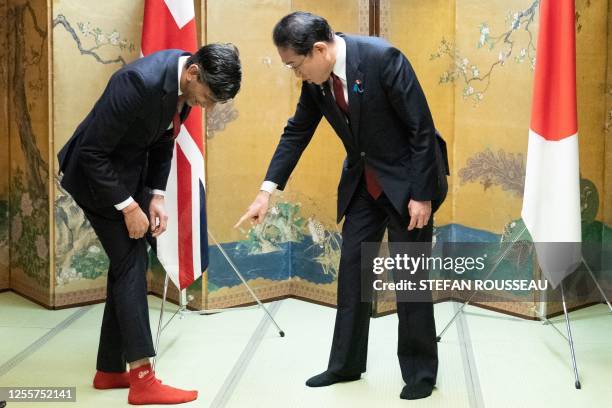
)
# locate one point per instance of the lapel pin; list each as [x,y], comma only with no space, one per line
[358,87]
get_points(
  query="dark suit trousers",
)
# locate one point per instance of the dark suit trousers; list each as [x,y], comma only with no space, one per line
[125,335]
[365,221]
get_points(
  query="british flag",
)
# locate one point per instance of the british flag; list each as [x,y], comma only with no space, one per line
[183,248]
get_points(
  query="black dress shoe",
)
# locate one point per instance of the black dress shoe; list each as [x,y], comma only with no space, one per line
[417,391]
[326,378]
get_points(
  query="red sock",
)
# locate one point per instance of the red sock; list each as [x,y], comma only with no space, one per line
[105,380]
[146,389]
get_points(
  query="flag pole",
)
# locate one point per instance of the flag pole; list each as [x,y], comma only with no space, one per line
[159,324]
[541,316]
[570,340]
[603,294]
[493,269]
[253,295]
[182,310]
[542,313]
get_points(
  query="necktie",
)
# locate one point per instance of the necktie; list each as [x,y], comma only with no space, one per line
[372,184]
[339,94]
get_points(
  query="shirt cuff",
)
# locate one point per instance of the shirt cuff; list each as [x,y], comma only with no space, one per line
[124,204]
[268,186]
[158,192]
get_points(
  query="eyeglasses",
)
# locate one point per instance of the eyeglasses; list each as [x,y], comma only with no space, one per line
[296,68]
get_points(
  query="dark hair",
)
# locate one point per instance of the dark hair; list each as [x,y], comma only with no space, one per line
[300,30]
[220,69]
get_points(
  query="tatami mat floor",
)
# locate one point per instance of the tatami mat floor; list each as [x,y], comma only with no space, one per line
[236,359]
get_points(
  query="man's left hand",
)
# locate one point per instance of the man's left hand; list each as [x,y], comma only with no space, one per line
[419,211]
[158,219]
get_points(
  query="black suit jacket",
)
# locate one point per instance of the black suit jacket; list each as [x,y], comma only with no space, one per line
[390,129]
[123,144]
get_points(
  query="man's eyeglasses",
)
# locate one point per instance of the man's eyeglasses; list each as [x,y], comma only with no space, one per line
[296,68]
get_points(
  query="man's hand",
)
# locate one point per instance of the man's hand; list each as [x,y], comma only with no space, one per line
[257,210]
[419,211]
[135,220]
[158,219]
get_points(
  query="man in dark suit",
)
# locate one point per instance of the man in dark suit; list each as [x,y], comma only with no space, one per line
[116,166]
[394,177]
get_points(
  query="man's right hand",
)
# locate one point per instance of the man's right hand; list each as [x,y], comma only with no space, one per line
[136,220]
[257,210]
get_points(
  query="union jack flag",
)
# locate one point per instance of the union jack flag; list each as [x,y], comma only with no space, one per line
[183,248]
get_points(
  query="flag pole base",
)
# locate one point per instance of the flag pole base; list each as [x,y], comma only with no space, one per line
[541,316]
[281,333]
[460,310]
[182,309]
